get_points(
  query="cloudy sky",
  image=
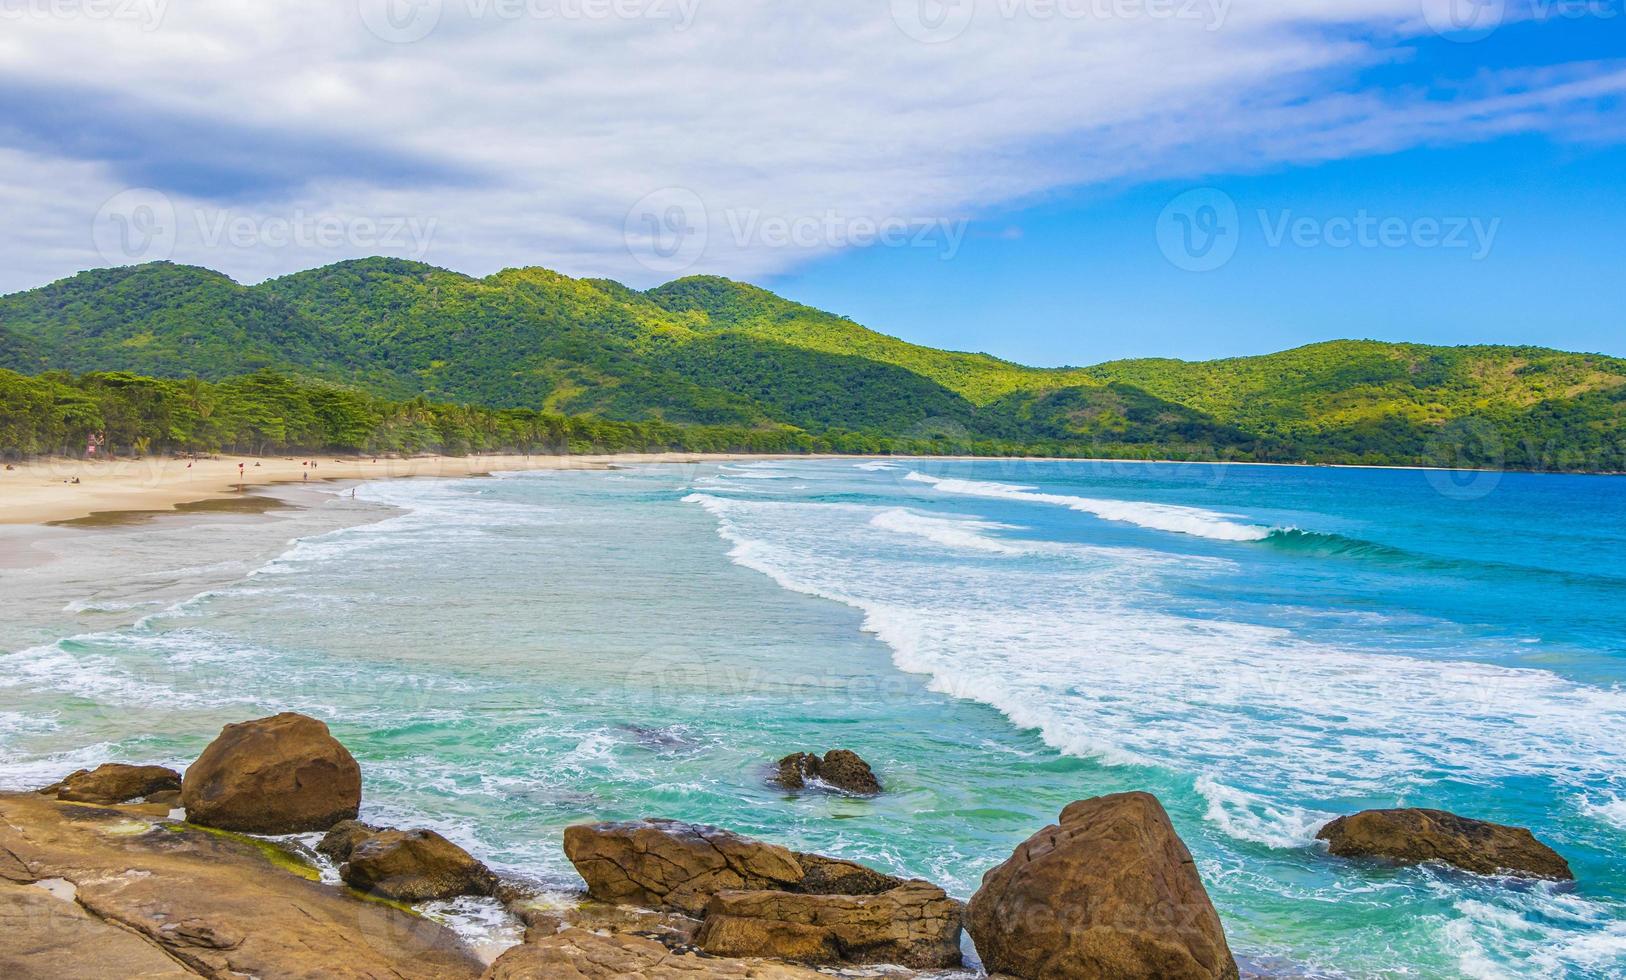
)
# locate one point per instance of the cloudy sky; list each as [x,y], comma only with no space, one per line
[1057,181]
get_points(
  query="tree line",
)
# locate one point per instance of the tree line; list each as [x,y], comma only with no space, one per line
[124,414]
[58,413]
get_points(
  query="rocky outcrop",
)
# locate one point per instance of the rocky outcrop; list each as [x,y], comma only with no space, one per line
[839,769]
[760,899]
[577,954]
[92,891]
[668,864]
[415,866]
[115,782]
[280,775]
[1111,891]
[829,876]
[343,837]
[912,924]
[1412,836]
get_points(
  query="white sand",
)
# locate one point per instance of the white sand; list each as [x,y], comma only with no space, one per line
[42,491]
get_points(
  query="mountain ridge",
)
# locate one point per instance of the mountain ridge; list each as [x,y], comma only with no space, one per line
[705,350]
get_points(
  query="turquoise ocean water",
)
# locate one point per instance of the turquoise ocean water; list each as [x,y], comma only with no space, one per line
[1262,647]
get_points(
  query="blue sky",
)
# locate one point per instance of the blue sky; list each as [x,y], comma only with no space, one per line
[1082,279]
[1052,181]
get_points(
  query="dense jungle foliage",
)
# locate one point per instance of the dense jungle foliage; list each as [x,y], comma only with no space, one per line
[384,355]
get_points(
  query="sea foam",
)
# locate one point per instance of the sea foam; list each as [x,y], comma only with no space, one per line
[1091,659]
[1157,517]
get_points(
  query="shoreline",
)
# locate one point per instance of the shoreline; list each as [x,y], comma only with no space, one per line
[41,492]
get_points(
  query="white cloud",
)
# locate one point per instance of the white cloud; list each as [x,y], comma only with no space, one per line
[564,117]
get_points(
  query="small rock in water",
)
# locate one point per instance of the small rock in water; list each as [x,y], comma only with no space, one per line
[281,775]
[415,866]
[839,768]
[1412,836]
[115,783]
[1111,891]
[343,837]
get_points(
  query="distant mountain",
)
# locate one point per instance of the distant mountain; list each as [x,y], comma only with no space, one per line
[706,350]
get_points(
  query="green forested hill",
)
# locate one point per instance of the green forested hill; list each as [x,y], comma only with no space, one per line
[733,306]
[163,319]
[706,351]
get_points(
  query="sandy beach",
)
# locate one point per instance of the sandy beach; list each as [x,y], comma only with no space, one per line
[44,491]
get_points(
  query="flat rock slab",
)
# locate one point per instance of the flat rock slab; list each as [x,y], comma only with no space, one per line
[205,903]
[48,937]
[915,924]
[577,954]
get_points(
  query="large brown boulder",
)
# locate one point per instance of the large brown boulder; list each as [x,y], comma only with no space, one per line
[839,768]
[280,775]
[914,924]
[115,782]
[1412,836]
[668,864]
[415,866]
[1109,892]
